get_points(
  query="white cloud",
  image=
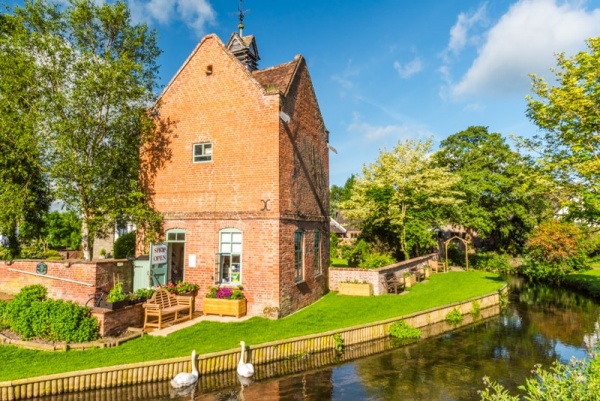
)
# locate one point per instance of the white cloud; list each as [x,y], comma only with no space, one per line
[374,133]
[346,79]
[525,40]
[195,14]
[459,33]
[409,69]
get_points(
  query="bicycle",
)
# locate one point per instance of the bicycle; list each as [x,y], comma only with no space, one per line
[96,298]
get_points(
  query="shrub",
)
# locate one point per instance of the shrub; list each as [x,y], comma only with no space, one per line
[454,317]
[52,254]
[30,315]
[491,262]
[356,254]
[125,245]
[577,380]
[404,331]
[553,250]
[3,315]
[374,260]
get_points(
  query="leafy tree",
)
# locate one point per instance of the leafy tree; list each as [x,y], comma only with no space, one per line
[569,116]
[125,245]
[93,78]
[62,230]
[400,197]
[337,195]
[24,189]
[504,196]
[555,249]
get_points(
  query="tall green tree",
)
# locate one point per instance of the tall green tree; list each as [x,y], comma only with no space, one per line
[505,197]
[337,194]
[568,113]
[401,196]
[24,189]
[96,73]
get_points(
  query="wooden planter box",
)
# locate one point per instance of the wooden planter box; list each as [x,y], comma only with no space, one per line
[114,305]
[225,307]
[409,281]
[363,289]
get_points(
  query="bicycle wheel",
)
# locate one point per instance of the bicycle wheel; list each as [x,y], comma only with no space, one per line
[91,302]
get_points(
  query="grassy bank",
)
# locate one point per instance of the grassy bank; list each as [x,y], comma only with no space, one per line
[587,282]
[330,313]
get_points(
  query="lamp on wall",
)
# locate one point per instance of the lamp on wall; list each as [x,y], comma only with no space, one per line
[284,117]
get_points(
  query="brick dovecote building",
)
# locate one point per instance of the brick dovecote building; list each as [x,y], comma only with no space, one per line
[245,193]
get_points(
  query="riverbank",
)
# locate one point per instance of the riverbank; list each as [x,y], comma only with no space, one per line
[330,313]
[586,282]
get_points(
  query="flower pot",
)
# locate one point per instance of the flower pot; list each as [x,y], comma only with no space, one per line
[114,305]
[408,281]
[225,307]
[362,289]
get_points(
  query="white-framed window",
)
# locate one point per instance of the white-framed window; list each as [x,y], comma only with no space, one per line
[230,257]
[203,152]
[299,255]
[317,252]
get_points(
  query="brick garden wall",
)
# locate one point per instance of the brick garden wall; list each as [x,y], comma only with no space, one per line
[71,280]
[372,276]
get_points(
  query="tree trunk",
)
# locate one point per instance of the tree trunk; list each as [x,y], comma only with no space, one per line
[85,239]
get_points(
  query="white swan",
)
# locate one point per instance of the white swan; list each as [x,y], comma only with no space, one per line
[244,369]
[184,379]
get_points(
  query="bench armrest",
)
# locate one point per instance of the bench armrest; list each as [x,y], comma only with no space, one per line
[184,300]
[152,307]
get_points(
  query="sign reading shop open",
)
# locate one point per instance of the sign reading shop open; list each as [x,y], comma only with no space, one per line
[159,254]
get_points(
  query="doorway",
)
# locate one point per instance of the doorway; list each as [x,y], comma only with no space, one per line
[176,242]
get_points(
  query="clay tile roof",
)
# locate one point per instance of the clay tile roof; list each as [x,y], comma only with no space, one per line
[278,77]
[247,40]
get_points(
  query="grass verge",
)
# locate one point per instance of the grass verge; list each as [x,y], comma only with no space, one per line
[585,282]
[331,312]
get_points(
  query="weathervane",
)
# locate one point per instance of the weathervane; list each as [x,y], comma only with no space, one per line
[241,16]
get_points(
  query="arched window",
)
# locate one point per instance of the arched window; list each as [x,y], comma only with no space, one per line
[230,256]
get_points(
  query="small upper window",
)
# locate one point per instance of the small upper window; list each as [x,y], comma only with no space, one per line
[203,152]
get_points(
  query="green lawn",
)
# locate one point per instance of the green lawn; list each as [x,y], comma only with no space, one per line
[587,282]
[331,312]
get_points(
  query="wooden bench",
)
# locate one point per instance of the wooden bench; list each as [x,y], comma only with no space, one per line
[391,284]
[163,305]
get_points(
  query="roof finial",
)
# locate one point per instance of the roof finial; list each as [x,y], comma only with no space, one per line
[241,24]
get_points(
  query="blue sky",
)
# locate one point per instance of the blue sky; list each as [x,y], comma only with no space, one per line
[388,70]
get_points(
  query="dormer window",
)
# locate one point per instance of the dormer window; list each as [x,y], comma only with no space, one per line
[203,152]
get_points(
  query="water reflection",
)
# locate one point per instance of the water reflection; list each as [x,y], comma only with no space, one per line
[539,326]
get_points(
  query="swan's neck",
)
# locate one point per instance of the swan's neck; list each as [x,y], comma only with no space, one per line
[242,355]
[194,368]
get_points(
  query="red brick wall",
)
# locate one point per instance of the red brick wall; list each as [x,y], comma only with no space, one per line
[267,178]
[64,279]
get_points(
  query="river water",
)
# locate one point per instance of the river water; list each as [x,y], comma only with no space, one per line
[540,325]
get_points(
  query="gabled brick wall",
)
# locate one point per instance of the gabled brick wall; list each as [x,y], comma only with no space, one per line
[267,178]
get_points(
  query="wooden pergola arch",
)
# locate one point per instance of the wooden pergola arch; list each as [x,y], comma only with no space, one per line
[465,242]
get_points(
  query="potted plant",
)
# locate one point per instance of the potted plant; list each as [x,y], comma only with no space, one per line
[186,289]
[145,293]
[360,288]
[408,279]
[225,301]
[116,297]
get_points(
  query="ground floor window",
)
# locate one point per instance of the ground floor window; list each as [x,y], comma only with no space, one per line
[317,252]
[299,254]
[230,257]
